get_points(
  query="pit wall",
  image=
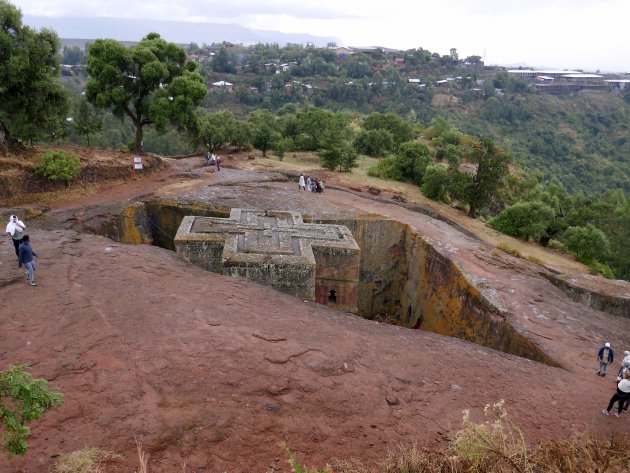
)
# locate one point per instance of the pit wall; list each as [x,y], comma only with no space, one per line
[402,278]
[438,297]
[405,280]
[166,215]
[616,305]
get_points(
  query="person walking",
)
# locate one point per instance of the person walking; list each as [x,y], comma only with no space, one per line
[605,356]
[621,397]
[301,183]
[26,258]
[218,163]
[15,228]
[308,183]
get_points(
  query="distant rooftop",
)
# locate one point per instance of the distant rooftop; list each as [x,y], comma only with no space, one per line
[583,76]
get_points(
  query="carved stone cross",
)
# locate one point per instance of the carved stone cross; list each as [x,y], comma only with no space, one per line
[310,261]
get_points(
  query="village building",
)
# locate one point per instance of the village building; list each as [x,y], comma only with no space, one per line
[223,85]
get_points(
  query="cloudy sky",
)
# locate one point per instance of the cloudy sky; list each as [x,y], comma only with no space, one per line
[585,34]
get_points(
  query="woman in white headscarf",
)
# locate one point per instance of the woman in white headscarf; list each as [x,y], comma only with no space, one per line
[16,228]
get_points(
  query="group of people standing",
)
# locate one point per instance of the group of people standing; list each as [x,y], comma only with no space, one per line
[308,184]
[605,357]
[212,160]
[23,250]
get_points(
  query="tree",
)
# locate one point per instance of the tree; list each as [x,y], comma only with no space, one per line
[151,82]
[454,55]
[213,130]
[263,126]
[412,158]
[492,166]
[241,134]
[73,55]
[86,121]
[281,146]
[401,130]
[33,104]
[374,142]
[22,400]
[311,125]
[336,150]
[222,62]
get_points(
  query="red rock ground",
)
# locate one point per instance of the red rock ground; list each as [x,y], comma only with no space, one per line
[218,371]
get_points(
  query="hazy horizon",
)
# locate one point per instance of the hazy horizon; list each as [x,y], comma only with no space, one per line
[560,34]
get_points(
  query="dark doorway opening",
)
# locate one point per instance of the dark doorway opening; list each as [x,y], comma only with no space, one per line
[332,297]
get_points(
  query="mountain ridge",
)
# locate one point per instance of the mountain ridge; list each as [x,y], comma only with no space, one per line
[124,29]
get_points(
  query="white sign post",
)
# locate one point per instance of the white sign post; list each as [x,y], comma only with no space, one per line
[137,164]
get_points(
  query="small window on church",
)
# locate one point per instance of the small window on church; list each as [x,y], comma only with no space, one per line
[332,296]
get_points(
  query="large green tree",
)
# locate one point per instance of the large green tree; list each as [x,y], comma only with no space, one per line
[33,104]
[152,83]
[264,130]
[213,130]
[492,166]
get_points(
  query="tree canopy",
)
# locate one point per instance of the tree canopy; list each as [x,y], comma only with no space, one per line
[33,104]
[152,83]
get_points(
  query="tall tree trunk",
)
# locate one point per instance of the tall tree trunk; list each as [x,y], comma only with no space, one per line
[8,144]
[137,147]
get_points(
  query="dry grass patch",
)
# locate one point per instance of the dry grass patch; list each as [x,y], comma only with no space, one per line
[86,460]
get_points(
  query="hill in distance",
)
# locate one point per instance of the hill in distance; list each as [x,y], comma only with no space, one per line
[122,29]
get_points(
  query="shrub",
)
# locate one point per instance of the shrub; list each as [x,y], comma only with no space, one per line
[435,182]
[86,460]
[524,219]
[22,400]
[600,268]
[59,165]
[586,243]
[387,169]
[374,142]
[498,441]
[509,250]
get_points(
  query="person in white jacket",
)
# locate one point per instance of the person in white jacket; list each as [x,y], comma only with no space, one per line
[301,183]
[15,228]
[621,396]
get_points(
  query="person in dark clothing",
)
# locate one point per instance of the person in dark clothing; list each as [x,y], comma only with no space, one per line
[621,396]
[26,258]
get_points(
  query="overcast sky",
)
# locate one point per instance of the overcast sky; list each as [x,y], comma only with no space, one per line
[585,34]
